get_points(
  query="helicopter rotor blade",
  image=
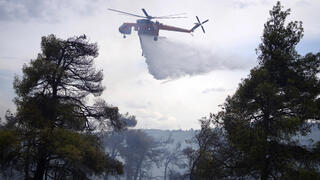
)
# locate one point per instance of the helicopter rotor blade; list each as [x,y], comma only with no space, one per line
[202,26]
[145,13]
[172,16]
[165,17]
[179,14]
[122,12]
[198,20]
[203,29]
[205,21]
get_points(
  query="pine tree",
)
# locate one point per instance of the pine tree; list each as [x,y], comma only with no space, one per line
[52,133]
[275,103]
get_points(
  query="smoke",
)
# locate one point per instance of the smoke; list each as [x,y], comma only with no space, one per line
[170,60]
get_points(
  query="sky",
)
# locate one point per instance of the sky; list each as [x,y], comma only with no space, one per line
[159,98]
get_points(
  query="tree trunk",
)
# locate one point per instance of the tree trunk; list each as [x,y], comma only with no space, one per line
[26,165]
[266,128]
[165,170]
[40,169]
[264,175]
[138,168]
[165,173]
[41,166]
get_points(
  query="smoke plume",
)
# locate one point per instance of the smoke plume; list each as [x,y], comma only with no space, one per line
[170,60]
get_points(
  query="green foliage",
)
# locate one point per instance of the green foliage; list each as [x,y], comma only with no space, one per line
[276,102]
[9,147]
[52,133]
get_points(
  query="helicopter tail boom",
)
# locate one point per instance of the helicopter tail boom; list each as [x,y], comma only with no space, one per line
[172,28]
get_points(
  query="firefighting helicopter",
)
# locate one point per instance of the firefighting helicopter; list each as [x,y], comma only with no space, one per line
[146,26]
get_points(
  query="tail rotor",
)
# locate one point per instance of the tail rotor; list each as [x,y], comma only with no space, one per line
[201,23]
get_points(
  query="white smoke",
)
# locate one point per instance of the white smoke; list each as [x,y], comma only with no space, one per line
[170,60]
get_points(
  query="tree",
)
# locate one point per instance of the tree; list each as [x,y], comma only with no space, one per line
[52,134]
[140,152]
[213,157]
[275,103]
[114,141]
[172,157]
[174,175]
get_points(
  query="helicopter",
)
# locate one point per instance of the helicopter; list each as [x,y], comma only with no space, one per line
[145,25]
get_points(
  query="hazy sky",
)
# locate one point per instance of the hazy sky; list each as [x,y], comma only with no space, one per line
[233,33]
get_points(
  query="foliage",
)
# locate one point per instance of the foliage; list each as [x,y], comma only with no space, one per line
[52,133]
[276,102]
[214,157]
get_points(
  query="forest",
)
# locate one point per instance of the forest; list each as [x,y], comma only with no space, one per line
[63,129]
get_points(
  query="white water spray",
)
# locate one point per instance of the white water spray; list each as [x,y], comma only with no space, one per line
[170,60]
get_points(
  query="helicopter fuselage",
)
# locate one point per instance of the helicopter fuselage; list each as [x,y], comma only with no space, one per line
[143,26]
[148,27]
